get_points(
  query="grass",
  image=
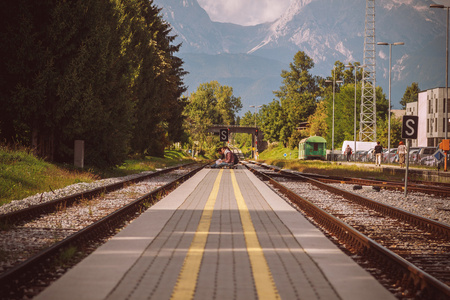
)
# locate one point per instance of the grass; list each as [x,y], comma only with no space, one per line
[278,152]
[22,174]
[335,169]
[275,156]
[147,163]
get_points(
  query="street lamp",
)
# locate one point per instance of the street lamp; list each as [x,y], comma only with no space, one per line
[256,110]
[446,70]
[446,80]
[332,132]
[256,136]
[354,127]
[389,114]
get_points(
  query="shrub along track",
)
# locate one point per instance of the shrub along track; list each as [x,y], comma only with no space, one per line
[412,252]
[33,240]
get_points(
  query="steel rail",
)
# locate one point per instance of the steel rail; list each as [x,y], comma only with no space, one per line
[35,211]
[441,189]
[413,278]
[21,273]
[426,224]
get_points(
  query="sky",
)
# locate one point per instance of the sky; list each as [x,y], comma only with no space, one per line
[445,2]
[252,12]
[245,12]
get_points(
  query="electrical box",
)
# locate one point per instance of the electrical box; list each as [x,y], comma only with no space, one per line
[445,145]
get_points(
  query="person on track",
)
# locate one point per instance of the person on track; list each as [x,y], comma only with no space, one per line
[401,151]
[378,151]
[228,158]
[348,152]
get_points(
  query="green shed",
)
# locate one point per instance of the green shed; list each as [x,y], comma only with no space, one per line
[314,147]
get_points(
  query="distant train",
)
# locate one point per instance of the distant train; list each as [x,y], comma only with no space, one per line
[314,147]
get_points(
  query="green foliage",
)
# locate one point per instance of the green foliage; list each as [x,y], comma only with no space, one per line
[211,104]
[273,121]
[244,140]
[296,137]
[278,152]
[338,169]
[318,121]
[66,255]
[344,114]
[297,95]
[103,71]
[22,174]
[304,97]
[396,132]
[307,98]
[344,105]
[411,94]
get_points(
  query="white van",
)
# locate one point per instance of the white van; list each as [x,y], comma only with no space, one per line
[360,146]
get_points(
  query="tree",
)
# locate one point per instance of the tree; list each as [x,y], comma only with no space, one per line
[98,70]
[273,121]
[396,132]
[344,108]
[211,104]
[297,95]
[318,121]
[411,94]
[244,140]
[349,75]
[66,79]
[157,84]
[343,112]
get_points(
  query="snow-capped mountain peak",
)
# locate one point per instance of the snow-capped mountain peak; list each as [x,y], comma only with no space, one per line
[326,30]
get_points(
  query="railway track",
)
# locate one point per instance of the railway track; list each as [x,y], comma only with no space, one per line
[412,251]
[76,222]
[426,187]
[35,211]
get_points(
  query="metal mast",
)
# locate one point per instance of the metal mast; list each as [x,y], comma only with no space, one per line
[368,120]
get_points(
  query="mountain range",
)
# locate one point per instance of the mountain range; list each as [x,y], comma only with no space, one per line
[250,58]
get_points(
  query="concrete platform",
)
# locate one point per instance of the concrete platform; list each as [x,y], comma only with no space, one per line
[223,234]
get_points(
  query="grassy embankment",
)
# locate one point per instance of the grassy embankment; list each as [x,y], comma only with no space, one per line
[22,174]
[275,156]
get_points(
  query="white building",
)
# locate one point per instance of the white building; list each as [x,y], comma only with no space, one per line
[432,120]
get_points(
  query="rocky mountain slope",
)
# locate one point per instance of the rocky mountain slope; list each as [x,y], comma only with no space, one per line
[251,58]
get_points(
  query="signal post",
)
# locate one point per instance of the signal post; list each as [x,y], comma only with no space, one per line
[445,146]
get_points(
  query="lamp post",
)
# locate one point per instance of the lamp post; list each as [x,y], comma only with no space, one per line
[446,71]
[332,132]
[354,126]
[256,136]
[256,110]
[389,114]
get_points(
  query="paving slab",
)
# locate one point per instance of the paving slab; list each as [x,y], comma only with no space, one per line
[236,237]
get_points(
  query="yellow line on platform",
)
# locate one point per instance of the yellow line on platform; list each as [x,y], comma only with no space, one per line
[187,279]
[265,286]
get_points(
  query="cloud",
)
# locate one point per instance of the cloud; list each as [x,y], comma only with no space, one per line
[244,12]
[445,2]
[390,4]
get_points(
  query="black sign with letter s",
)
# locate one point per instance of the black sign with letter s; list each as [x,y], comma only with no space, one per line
[409,127]
[223,135]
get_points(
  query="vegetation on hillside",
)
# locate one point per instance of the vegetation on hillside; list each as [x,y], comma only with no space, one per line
[103,71]
[305,98]
[22,174]
[211,104]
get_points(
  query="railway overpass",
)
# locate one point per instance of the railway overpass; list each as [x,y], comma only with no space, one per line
[257,135]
